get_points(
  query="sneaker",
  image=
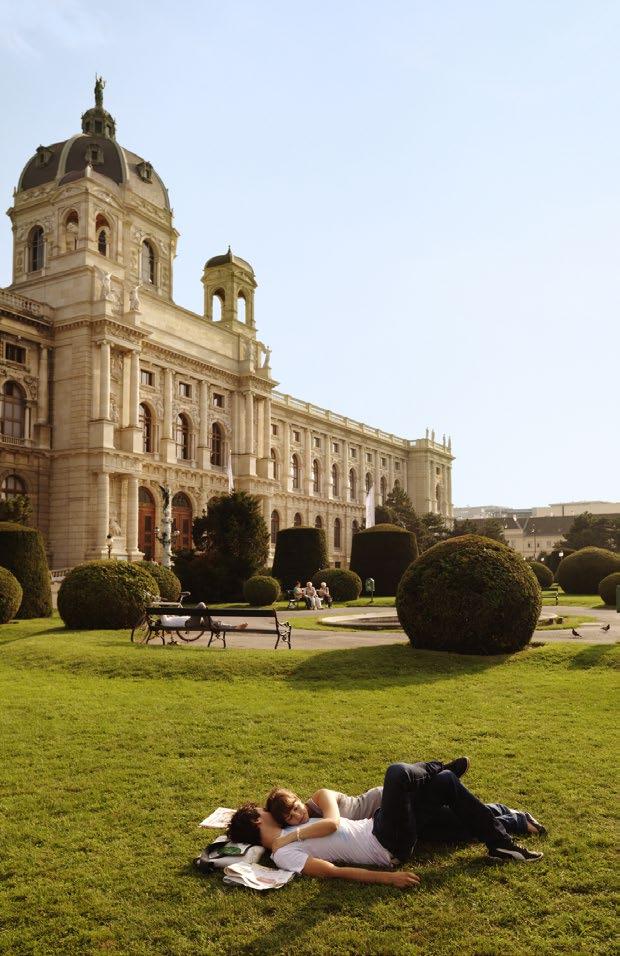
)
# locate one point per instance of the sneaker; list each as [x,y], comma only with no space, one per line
[541,830]
[514,854]
[460,766]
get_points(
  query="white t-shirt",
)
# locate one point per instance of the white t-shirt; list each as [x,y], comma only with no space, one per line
[353,842]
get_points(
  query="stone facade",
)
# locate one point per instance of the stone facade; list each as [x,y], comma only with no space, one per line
[110,390]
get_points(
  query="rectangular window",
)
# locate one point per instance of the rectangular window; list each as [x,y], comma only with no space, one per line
[274,429]
[146,378]
[354,453]
[384,462]
[316,442]
[369,457]
[296,435]
[397,465]
[336,564]
[15,353]
[218,400]
[335,447]
[185,390]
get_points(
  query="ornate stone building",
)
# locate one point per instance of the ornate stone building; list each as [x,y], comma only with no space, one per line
[108,389]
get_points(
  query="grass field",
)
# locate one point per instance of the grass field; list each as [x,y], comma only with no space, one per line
[112,753]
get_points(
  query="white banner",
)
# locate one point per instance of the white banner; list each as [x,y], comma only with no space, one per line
[370,507]
[231,485]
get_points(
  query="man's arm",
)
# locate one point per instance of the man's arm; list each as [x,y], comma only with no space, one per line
[319,828]
[322,869]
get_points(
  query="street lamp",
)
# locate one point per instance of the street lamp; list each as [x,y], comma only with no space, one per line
[109,539]
[166,538]
[533,531]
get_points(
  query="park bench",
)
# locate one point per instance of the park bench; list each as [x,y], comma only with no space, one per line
[281,630]
[189,623]
[552,591]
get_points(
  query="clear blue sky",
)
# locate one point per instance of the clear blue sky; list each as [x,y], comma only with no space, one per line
[428,192]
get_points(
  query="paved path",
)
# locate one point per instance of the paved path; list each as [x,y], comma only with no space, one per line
[305,640]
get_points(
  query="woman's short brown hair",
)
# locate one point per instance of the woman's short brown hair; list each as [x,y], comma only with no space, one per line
[280,802]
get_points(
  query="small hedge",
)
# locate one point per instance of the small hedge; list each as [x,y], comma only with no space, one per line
[261,590]
[471,595]
[167,581]
[582,572]
[383,552]
[23,554]
[10,596]
[300,552]
[544,575]
[343,585]
[104,595]
[607,588]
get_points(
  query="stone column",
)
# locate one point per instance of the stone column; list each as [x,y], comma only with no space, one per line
[204,458]
[345,493]
[103,512]
[328,490]
[306,485]
[168,448]
[390,473]
[449,490]
[249,423]
[267,428]
[286,457]
[132,517]
[134,389]
[43,409]
[104,381]
[260,428]
[263,466]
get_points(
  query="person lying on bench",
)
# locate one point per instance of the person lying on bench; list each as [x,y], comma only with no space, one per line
[413,795]
[197,621]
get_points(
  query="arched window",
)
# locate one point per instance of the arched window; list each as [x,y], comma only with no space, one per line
[182,435]
[352,485]
[147,270]
[241,308]
[295,473]
[12,486]
[13,413]
[368,482]
[383,490]
[355,526]
[72,227]
[36,249]
[182,521]
[102,228]
[316,477]
[297,520]
[275,526]
[146,424]
[217,305]
[335,482]
[337,533]
[217,445]
[146,523]
[274,466]
[318,522]
[396,484]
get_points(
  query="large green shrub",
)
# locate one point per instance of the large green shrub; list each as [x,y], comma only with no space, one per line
[22,553]
[343,585]
[105,594]
[544,575]
[299,553]
[383,552]
[10,596]
[471,595]
[236,543]
[167,581]
[261,590]
[607,588]
[582,572]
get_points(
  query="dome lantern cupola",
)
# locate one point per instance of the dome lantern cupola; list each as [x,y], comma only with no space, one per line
[97,121]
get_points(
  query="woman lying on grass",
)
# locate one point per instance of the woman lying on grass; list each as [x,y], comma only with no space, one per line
[414,798]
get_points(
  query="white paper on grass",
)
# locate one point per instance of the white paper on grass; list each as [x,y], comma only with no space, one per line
[219,819]
[256,877]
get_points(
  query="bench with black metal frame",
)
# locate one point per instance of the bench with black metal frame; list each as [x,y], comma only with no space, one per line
[160,620]
[281,630]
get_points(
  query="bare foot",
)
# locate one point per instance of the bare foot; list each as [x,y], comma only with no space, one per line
[243,626]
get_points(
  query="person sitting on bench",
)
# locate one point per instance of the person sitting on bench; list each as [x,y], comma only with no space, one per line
[325,596]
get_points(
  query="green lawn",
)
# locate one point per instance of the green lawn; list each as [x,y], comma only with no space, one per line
[111,753]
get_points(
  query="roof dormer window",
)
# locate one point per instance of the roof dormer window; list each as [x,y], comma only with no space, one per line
[43,156]
[94,155]
[145,171]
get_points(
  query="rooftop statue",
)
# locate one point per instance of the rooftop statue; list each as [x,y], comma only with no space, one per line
[99,87]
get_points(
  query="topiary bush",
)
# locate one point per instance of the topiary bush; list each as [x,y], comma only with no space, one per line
[343,585]
[10,596]
[167,581]
[261,590]
[607,588]
[105,595]
[23,554]
[383,552]
[299,553]
[471,595]
[582,572]
[544,575]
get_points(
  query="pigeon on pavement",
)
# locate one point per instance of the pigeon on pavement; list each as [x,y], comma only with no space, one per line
[606,627]
[575,633]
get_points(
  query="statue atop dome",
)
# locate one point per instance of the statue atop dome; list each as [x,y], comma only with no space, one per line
[99,88]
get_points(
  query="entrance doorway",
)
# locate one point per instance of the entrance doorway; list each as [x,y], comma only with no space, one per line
[182,521]
[146,524]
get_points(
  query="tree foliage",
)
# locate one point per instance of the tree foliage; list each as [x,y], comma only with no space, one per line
[22,552]
[300,552]
[17,508]
[492,528]
[593,531]
[383,553]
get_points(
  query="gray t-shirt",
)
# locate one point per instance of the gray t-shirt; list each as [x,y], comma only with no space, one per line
[353,842]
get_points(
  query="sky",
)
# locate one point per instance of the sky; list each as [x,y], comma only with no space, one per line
[428,193]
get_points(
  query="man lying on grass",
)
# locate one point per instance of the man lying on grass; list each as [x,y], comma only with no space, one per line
[414,795]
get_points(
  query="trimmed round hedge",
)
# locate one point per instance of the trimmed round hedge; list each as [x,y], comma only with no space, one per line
[105,595]
[23,554]
[471,595]
[299,553]
[261,590]
[343,585]
[167,581]
[10,596]
[607,588]
[544,575]
[383,552]
[582,571]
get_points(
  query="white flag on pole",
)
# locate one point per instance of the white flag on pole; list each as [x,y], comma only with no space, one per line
[231,485]
[370,507]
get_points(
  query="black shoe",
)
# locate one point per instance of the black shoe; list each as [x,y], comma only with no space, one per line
[460,766]
[541,830]
[514,854]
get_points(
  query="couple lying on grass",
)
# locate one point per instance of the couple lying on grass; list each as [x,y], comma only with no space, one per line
[381,827]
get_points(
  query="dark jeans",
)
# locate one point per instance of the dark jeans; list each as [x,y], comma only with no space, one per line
[413,794]
[444,826]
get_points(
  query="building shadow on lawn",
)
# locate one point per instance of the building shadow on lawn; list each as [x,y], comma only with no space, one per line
[367,668]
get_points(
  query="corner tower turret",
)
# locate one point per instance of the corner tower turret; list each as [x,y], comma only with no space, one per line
[231,280]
